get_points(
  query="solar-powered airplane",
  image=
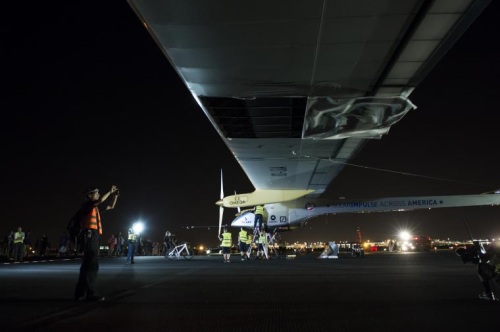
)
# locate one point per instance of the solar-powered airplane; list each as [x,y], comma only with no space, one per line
[295,88]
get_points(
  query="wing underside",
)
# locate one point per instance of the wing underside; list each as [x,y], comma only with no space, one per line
[294,87]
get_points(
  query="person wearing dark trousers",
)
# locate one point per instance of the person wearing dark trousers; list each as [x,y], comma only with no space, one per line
[226,245]
[259,216]
[19,244]
[242,243]
[132,239]
[487,269]
[167,243]
[90,218]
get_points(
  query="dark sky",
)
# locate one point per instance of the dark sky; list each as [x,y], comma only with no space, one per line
[89,99]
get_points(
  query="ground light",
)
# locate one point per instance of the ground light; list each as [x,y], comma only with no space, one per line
[406,244]
[138,227]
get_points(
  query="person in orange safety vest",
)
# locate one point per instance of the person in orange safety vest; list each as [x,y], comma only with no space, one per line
[90,218]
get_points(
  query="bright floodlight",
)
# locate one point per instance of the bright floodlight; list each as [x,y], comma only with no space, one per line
[138,227]
[404,235]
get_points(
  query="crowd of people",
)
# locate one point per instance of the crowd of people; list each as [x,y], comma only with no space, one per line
[18,244]
[260,237]
[21,246]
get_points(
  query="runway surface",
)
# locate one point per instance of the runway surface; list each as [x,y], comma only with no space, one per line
[429,291]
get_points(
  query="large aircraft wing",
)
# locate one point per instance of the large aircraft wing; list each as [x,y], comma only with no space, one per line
[295,87]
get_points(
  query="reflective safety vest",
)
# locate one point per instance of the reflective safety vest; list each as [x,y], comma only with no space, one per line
[19,237]
[92,220]
[226,239]
[259,209]
[243,236]
[263,238]
[132,237]
[249,239]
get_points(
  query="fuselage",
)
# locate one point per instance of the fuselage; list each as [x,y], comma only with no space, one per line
[292,213]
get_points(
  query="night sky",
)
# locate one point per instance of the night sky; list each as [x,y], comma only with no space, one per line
[90,100]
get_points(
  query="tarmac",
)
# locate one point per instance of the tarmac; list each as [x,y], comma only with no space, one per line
[424,291]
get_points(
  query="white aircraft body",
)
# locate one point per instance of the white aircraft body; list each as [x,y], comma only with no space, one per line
[291,214]
[296,87]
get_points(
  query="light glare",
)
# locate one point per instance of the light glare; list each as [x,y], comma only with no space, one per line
[138,227]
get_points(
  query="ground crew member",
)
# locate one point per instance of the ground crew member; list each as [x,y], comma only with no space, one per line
[132,239]
[488,268]
[226,245]
[259,216]
[249,245]
[262,250]
[90,219]
[242,243]
[19,244]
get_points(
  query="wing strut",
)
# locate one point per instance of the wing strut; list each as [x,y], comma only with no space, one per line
[221,208]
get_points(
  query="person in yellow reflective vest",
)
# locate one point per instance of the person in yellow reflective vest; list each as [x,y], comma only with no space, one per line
[262,249]
[249,245]
[259,216]
[90,219]
[242,243]
[226,245]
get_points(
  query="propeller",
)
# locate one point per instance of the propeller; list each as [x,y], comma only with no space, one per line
[221,208]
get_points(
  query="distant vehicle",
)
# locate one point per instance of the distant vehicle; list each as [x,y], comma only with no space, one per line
[357,250]
[422,243]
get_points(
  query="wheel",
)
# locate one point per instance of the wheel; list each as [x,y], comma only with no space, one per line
[187,255]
